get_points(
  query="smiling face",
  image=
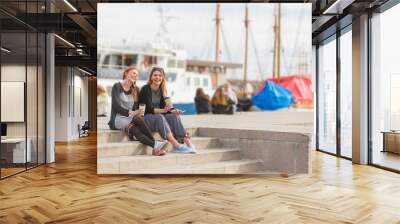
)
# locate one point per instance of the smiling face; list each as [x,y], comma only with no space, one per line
[132,74]
[156,78]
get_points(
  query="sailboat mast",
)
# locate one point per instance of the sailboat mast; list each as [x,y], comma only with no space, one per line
[217,23]
[246,26]
[277,43]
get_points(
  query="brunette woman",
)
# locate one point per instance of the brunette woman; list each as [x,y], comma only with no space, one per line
[159,114]
[125,114]
[202,102]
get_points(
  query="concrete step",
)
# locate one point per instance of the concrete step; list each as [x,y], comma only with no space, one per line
[119,136]
[125,148]
[139,164]
[221,167]
[128,148]
[111,136]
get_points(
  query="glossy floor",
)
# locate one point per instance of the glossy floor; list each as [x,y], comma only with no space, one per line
[387,159]
[70,191]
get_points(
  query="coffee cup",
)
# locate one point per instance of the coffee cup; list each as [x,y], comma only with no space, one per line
[168,100]
[142,108]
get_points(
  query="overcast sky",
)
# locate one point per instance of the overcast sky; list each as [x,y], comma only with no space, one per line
[192,26]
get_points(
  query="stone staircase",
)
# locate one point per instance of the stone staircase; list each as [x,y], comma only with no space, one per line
[117,155]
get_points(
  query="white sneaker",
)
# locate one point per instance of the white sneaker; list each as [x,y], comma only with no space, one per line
[192,148]
[160,144]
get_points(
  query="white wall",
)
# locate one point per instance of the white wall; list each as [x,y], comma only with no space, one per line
[62,80]
[33,126]
[69,85]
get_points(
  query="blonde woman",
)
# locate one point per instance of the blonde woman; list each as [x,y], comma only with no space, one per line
[159,114]
[103,103]
[220,103]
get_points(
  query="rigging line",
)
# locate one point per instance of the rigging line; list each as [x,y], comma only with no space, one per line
[206,47]
[211,45]
[283,52]
[301,17]
[284,61]
[285,64]
[228,52]
[255,50]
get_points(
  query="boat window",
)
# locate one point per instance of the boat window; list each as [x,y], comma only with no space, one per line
[130,59]
[181,64]
[171,63]
[171,77]
[106,61]
[196,81]
[188,81]
[202,69]
[153,60]
[216,69]
[205,82]
[116,60]
[150,60]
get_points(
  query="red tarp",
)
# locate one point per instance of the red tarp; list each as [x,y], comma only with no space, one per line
[300,86]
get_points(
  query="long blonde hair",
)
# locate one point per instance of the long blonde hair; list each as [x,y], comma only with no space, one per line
[163,85]
[219,98]
[133,86]
[101,90]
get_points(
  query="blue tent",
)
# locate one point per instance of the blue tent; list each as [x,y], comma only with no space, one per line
[273,97]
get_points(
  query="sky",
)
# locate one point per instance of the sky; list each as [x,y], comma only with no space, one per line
[192,27]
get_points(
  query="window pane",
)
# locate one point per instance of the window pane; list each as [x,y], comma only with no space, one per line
[196,81]
[106,61]
[41,99]
[327,97]
[31,97]
[130,59]
[13,82]
[205,82]
[180,64]
[171,63]
[385,89]
[346,94]
[188,81]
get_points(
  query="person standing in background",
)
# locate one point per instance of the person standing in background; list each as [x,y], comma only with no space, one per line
[103,102]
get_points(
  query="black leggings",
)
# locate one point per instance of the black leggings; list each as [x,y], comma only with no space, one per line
[141,131]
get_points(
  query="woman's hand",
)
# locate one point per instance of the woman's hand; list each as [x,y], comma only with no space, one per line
[160,111]
[134,112]
[130,125]
[176,111]
[167,107]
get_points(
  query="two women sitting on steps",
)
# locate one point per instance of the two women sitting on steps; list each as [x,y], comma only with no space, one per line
[158,116]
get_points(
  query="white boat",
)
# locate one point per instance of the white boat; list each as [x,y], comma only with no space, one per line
[181,84]
[183,75]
